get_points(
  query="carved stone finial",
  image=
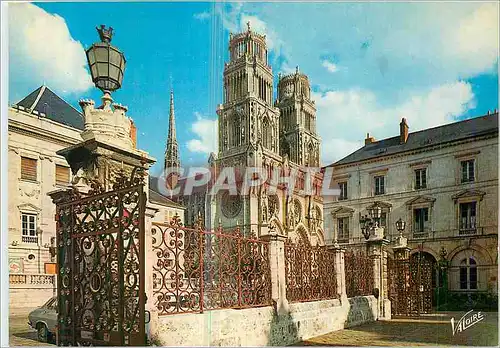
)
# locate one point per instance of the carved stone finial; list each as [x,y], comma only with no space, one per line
[248,25]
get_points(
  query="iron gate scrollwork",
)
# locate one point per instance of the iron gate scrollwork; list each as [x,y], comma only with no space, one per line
[410,284]
[100,239]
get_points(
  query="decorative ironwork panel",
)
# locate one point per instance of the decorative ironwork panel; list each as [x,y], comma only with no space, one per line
[310,273]
[358,274]
[100,242]
[198,270]
[410,284]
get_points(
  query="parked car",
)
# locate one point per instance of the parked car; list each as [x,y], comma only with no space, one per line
[44,320]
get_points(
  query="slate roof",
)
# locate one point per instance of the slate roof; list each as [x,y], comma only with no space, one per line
[44,101]
[456,131]
[157,197]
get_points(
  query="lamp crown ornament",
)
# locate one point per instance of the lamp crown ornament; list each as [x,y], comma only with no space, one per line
[105,34]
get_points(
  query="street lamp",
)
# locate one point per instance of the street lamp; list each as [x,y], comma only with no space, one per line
[106,62]
[371,221]
[400,226]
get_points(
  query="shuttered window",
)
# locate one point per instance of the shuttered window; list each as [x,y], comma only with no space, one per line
[28,168]
[62,175]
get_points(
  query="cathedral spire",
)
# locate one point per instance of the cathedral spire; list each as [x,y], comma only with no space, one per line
[172,150]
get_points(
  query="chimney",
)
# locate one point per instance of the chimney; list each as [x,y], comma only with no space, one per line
[403,131]
[133,133]
[369,139]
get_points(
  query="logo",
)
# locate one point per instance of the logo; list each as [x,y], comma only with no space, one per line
[468,319]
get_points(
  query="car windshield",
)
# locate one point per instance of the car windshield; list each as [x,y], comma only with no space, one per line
[49,303]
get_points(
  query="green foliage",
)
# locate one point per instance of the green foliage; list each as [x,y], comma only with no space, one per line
[458,301]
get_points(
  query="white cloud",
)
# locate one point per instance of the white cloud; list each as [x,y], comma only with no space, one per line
[344,117]
[235,19]
[41,49]
[331,67]
[206,135]
[202,16]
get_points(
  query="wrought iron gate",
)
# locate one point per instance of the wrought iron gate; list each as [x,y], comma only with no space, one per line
[100,239]
[410,284]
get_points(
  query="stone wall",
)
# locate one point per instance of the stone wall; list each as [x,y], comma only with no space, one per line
[263,326]
[29,291]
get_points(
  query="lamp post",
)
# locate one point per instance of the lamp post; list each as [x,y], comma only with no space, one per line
[106,62]
[400,226]
[369,223]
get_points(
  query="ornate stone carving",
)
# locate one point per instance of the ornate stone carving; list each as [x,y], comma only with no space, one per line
[231,205]
[273,204]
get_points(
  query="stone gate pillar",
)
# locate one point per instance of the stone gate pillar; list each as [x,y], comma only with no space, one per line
[340,271]
[277,266]
[376,247]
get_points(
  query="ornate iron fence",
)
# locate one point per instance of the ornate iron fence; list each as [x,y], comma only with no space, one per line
[310,273]
[358,274]
[199,270]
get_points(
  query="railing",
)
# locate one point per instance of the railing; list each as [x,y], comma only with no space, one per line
[309,273]
[30,239]
[358,274]
[32,279]
[199,270]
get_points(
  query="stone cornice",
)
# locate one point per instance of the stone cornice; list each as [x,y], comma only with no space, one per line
[420,163]
[42,134]
[468,154]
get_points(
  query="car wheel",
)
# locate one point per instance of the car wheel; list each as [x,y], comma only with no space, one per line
[42,333]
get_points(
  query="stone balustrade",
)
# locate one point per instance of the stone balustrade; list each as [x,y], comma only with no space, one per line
[29,280]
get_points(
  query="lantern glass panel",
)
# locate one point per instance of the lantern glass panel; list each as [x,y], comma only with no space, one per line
[102,69]
[101,53]
[93,70]
[114,72]
[91,56]
[114,57]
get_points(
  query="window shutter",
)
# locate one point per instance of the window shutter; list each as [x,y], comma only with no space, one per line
[28,168]
[62,175]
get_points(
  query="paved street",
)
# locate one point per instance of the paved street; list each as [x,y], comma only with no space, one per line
[433,330]
[20,334]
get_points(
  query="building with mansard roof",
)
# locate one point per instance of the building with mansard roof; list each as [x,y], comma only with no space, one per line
[39,125]
[443,182]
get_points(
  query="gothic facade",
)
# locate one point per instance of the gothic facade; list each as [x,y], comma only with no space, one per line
[257,131]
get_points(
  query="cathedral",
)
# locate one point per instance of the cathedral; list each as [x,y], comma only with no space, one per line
[256,131]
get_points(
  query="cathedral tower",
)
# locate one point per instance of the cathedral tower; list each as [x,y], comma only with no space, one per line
[172,150]
[299,138]
[248,118]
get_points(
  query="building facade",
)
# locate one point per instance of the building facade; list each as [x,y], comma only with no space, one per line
[255,130]
[443,182]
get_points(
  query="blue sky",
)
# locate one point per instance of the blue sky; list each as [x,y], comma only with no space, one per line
[370,64]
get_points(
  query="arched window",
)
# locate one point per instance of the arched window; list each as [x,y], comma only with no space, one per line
[468,274]
[235,132]
[267,137]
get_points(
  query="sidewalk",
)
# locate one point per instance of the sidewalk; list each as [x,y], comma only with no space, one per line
[429,330]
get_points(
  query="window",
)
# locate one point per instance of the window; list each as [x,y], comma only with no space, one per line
[420,220]
[467,217]
[467,171]
[343,191]
[379,185]
[28,227]
[468,274]
[62,175]
[383,219]
[343,228]
[28,168]
[420,178]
